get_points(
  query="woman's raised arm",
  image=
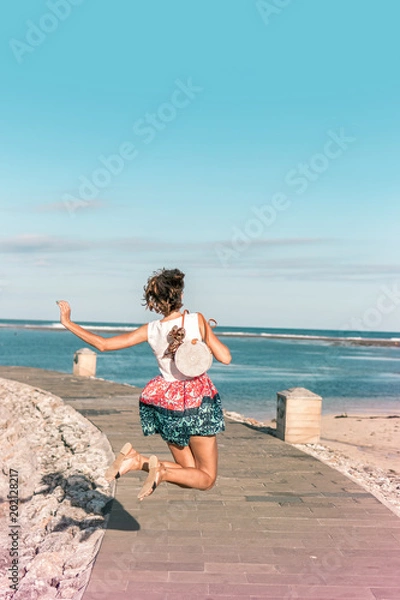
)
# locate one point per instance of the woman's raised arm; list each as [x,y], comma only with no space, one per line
[116,342]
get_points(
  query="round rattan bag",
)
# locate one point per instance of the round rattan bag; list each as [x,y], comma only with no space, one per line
[193,358]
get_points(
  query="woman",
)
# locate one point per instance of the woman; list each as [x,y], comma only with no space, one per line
[185,411]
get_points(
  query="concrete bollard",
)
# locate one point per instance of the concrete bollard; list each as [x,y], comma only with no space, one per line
[298,416]
[85,363]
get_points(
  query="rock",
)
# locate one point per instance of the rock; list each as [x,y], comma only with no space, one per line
[60,458]
[46,566]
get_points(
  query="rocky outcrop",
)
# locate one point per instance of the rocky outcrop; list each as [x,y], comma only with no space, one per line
[54,498]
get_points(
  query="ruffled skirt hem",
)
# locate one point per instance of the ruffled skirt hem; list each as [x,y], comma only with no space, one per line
[178,410]
[177,427]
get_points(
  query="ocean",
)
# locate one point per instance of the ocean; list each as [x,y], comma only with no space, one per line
[353,372]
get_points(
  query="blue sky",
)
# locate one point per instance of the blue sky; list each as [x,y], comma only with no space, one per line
[252,144]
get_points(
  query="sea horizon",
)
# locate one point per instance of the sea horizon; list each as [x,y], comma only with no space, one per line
[386,338]
[352,373]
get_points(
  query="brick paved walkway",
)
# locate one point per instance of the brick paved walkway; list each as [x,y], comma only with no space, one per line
[278,525]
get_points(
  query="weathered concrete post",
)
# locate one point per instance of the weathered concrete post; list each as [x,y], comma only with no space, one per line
[85,363]
[298,416]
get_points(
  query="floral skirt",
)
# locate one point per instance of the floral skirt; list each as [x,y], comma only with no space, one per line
[179,409]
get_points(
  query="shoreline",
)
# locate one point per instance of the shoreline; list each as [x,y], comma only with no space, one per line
[364,447]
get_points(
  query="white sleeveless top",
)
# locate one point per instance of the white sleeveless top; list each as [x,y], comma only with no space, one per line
[157,334]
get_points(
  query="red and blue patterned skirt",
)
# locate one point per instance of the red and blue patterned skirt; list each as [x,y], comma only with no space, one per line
[179,409]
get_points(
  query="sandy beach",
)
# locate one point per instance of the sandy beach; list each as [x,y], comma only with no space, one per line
[370,439]
[366,448]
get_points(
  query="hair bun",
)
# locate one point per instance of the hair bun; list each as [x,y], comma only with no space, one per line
[177,275]
[163,292]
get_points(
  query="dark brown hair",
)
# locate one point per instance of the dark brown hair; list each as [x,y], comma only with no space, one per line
[163,291]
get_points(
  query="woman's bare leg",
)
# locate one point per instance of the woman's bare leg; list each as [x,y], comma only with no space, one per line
[201,476]
[183,459]
[183,456]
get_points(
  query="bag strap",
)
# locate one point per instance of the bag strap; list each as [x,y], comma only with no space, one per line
[204,323]
[183,316]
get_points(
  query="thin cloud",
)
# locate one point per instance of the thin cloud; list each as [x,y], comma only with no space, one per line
[289,242]
[32,243]
[45,243]
[119,252]
[37,244]
[118,255]
[63,207]
[177,245]
[321,271]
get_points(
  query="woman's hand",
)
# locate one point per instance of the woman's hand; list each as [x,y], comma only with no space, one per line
[65,311]
[116,342]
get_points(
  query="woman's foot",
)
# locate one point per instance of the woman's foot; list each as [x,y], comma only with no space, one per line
[128,459]
[153,479]
[132,462]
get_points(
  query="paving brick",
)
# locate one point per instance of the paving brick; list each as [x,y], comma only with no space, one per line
[369,580]
[114,596]
[135,594]
[224,556]
[264,568]
[169,587]
[138,573]
[183,557]
[317,592]
[250,589]
[169,565]
[207,577]
[386,593]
